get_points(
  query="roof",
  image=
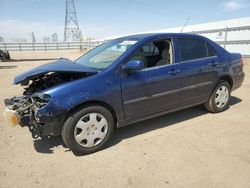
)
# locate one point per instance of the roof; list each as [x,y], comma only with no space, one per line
[154,35]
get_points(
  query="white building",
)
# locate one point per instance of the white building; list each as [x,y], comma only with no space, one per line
[234,35]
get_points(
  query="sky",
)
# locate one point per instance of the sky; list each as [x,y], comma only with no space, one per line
[104,18]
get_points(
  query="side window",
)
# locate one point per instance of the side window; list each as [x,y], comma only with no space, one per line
[210,51]
[191,48]
[150,49]
[156,53]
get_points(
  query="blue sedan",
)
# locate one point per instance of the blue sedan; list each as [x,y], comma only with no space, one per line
[123,81]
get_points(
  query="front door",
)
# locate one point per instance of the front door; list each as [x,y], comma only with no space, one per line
[155,89]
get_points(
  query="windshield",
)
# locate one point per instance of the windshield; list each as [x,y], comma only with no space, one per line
[104,55]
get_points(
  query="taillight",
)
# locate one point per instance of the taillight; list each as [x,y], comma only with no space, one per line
[241,60]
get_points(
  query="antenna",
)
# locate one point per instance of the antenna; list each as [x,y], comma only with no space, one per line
[71,29]
[185,25]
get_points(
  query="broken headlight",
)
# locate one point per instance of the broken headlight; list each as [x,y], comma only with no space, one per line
[40,99]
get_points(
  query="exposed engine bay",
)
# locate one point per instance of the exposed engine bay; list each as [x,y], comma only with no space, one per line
[49,80]
[25,107]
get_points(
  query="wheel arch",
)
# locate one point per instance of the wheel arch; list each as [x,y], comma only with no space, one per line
[228,79]
[92,103]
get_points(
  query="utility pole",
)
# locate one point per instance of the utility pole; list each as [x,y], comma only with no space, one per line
[71,29]
[33,39]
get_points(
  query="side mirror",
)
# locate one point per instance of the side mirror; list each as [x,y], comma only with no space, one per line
[133,65]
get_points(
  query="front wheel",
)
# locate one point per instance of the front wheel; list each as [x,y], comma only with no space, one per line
[219,100]
[87,130]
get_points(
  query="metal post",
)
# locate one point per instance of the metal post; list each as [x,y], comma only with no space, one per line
[5,46]
[225,39]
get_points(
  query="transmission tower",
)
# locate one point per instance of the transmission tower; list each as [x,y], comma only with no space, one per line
[71,29]
[54,37]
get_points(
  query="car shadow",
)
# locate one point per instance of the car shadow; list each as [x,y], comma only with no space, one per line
[162,121]
[47,145]
[156,123]
[234,100]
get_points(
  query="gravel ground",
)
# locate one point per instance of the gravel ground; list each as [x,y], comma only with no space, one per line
[189,148]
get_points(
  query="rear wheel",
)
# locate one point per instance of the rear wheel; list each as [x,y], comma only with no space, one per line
[219,100]
[87,130]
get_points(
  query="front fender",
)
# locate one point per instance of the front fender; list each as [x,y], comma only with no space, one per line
[99,87]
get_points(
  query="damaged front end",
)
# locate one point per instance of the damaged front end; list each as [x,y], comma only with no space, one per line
[32,109]
[23,111]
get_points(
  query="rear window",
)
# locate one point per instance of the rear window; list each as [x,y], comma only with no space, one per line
[210,51]
[190,48]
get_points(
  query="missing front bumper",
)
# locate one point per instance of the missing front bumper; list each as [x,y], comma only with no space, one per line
[22,111]
[10,117]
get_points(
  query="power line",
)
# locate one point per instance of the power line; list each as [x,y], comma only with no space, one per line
[151,8]
[185,13]
[151,11]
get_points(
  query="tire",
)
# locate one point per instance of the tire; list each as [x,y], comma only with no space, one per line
[7,54]
[3,57]
[88,129]
[219,99]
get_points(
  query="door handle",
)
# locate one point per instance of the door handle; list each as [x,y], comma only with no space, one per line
[214,63]
[174,71]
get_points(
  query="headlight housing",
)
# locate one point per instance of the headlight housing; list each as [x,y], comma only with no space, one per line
[40,99]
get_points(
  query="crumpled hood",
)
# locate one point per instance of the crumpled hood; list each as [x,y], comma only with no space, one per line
[61,65]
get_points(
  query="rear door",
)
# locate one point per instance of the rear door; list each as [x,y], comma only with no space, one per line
[197,68]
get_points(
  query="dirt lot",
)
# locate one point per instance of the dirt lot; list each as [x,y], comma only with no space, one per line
[189,148]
